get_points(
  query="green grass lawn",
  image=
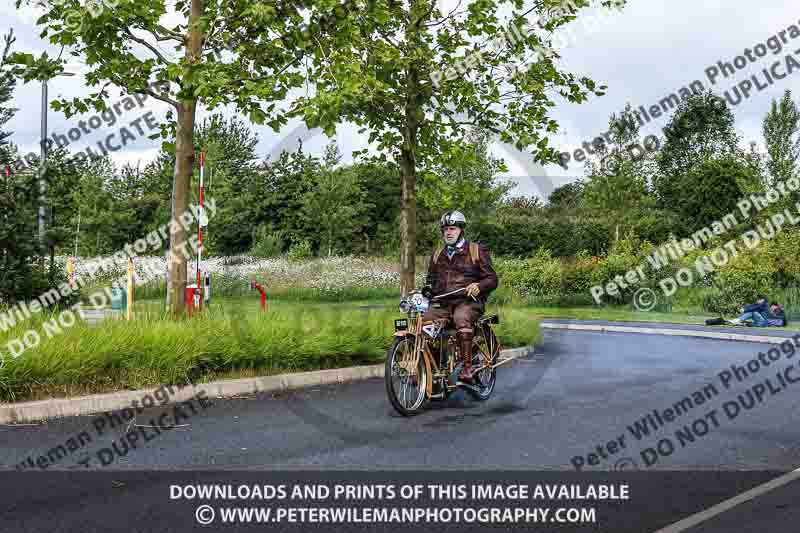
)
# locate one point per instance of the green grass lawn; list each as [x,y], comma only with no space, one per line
[616,313]
[627,314]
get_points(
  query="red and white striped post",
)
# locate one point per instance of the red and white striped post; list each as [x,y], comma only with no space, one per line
[200,217]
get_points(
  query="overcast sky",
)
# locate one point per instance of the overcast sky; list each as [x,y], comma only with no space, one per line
[650,49]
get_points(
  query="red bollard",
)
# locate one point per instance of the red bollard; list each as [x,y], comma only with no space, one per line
[254,285]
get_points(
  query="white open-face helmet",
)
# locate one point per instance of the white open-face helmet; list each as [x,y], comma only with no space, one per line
[453,218]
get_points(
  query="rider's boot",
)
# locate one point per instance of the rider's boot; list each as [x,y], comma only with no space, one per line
[465,345]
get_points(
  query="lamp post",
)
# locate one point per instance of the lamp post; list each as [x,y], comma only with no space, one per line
[43,167]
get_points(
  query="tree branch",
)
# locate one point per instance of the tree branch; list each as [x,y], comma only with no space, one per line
[147,45]
[267,76]
[388,40]
[147,90]
[448,17]
[169,35]
[327,62]
[165,99]
[10,39]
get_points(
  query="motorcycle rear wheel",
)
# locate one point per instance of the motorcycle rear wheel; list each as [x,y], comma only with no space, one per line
[406,387]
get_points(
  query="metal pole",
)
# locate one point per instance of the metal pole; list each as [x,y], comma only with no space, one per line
[78,232]
[200,219]
[42,169]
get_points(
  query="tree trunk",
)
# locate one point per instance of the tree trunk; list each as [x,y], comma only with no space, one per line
[408,221]
[184,165]
[408,168]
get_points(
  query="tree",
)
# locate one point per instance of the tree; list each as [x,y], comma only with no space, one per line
[62,198]
[390,67]
[617,189]
[780,128]
[7,83]
[285,183]
[567,197]
[219,52]
[18,243]
[381,183]
[466,180]
[335,203]
[231,180]
[710,190]
[97,231]
[701,128]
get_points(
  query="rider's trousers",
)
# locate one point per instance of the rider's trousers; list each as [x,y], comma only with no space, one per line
[464,313]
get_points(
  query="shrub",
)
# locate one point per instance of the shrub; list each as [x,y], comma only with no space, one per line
[46,279]
[577,273]
[748,274]
[265,243]
[301,250]
[784,251]
[626,254]
[539,275]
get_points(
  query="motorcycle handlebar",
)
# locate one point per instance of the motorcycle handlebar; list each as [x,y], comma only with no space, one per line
[451,293]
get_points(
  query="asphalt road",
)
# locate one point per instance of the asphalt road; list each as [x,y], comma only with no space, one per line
[551,411]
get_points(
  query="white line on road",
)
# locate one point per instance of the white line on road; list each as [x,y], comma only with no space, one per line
[665,331]
[730,503]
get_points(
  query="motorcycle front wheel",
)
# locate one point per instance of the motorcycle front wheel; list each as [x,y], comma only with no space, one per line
[406,383]
[485,350]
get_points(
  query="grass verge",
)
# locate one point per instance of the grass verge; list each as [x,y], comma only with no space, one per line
[227,339]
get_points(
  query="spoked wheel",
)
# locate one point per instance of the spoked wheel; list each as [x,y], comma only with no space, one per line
[405,383]
[485,351]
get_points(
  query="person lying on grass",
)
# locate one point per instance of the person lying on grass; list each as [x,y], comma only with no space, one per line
[761,315]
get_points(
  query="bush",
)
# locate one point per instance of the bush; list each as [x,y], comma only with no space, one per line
[748,274]
[539,275]
[626,254]
[577,273]
[265,243]
[523,235]
[45,279]
[301,250]
[785,253]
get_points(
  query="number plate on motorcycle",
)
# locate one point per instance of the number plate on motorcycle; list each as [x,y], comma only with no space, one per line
[401,324]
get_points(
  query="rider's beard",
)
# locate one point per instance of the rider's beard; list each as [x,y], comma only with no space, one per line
[452,241]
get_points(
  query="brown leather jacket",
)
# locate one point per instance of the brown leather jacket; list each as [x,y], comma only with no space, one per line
[449,274]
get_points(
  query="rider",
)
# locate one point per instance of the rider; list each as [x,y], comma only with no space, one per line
[460,264]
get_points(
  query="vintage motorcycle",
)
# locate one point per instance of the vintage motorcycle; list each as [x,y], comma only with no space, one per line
[423,362]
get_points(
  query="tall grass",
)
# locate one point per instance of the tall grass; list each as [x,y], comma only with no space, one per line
[153,349]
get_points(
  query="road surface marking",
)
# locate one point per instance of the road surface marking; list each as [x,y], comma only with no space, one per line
[721,507]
